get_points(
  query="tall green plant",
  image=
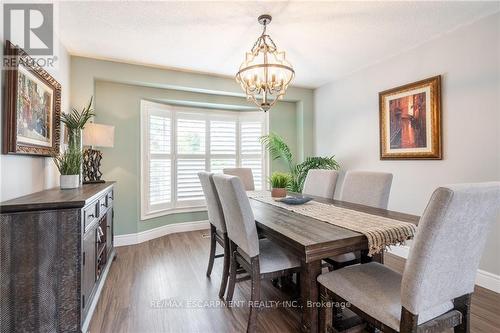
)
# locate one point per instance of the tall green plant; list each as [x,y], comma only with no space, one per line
[278,149]
[75,121]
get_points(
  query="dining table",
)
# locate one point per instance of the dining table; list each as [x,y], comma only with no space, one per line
[313,240]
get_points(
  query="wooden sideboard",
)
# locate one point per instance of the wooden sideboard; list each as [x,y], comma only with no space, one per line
[56,247]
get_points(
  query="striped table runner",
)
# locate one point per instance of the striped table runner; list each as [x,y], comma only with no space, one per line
[380,231]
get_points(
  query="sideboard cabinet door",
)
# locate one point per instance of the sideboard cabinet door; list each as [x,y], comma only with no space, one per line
[88,268]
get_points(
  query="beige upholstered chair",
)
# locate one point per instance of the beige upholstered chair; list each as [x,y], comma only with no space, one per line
[245,174]
[218,231]
[367,188]
[433,293]
[262,259]
[320,183]
[364,188]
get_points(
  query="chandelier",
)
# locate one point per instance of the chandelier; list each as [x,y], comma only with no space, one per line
[265,74]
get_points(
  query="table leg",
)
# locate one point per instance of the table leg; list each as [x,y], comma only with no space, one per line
[310,294]
[378,257]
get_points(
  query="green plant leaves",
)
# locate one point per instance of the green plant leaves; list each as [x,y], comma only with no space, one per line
[76,119]
[69,162]
[278,148]
[280,180]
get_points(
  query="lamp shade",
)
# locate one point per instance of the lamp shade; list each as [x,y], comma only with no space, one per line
[98,135]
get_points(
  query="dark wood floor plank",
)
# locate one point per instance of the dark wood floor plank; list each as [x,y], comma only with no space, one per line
[173,267]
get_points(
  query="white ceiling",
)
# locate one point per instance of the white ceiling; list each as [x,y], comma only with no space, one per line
[323,40]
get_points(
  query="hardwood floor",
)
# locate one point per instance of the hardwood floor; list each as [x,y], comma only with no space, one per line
[160,286]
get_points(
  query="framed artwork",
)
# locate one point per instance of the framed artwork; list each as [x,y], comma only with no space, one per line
[32,107]
[410,121]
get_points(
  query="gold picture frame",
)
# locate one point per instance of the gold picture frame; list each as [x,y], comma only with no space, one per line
[410,121]
[31,108]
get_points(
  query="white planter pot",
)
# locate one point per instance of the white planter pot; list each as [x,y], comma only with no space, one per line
[69,181]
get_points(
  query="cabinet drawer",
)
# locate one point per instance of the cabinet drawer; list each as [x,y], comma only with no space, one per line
[105,202]
[90,214]
[110,198]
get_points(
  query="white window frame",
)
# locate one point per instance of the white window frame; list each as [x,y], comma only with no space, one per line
[175,112]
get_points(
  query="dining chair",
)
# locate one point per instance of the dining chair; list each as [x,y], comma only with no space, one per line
[434,292]
[261,259]
[320,183]
[218,232]
[245,174]
[365,188]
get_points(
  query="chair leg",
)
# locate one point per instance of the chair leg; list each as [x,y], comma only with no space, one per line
[213,245]
[325,322]
[232,275]
[462,304]
[254,296]
[225,270]
[409,321]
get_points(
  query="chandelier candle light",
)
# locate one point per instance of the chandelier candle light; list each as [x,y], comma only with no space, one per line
[265,74]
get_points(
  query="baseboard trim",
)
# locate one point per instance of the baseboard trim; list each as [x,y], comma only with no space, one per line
[144,236]
[483,278]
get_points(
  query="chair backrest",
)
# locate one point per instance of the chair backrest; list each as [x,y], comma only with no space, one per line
[321,183]
[367,188]
[450,239]
[214,207]
[245,175]
[240,221]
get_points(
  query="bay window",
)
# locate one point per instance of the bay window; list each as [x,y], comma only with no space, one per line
[178,142]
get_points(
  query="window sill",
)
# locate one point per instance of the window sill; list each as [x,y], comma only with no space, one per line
[170,211]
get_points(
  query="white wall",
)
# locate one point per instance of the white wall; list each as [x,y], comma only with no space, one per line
[21,175]
[346,118]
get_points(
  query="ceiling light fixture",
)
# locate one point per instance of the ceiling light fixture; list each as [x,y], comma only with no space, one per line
[265,74]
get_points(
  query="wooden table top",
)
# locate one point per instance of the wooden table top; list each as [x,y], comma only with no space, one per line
[313,239]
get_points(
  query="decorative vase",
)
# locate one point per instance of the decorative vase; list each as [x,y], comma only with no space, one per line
[69,182]
[75,142]
[278,193]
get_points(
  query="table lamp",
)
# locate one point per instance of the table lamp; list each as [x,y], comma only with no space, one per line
[95,135]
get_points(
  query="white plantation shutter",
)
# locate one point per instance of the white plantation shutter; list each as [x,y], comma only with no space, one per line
[159,181]
[217,165]
[157,175]
[190,136]
[251,149]
[223,143]
[188,183]
[191,150]
[179,142]
[251,131]
[222,137]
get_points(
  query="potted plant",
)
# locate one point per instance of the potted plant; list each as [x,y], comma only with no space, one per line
[75,122]
[278,149]
[279,182]
[69,164]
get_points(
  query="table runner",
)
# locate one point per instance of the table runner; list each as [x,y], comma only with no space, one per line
[380,231]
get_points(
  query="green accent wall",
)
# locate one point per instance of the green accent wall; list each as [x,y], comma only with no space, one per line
[118,89]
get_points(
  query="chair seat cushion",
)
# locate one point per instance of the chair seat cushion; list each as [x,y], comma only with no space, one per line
[376,290]
[272,257]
